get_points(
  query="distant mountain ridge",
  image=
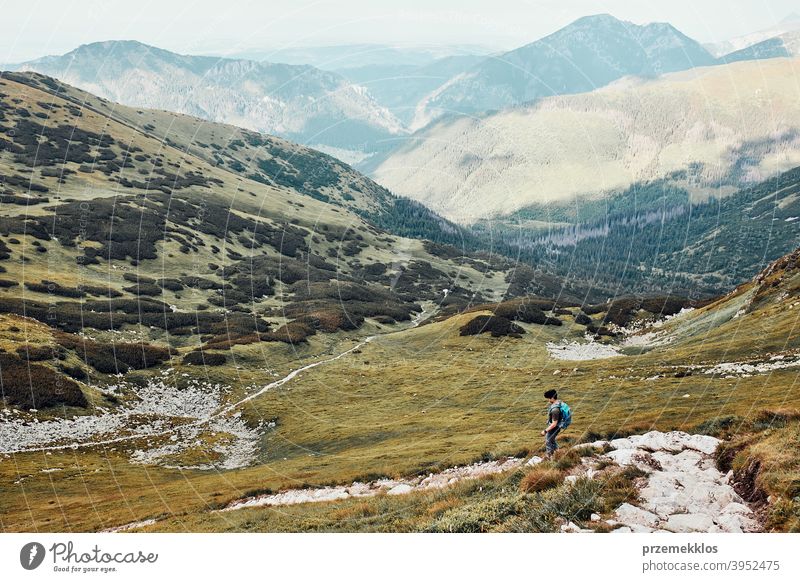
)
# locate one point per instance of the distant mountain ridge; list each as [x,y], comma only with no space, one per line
[788,24]
[377,91]
[711,130]
[298,102]
[781,46]
[589,53]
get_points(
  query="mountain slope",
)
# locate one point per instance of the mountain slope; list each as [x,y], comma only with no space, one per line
[709,130]
[654,239]
[783,45]
[294,101]
[789,24]
[589,53]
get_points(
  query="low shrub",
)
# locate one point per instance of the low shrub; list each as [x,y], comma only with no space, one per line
[170,284]
[52,288]
[497,326]
[101,291]
[479,517]
[115,357]
[202,358]
[148,289]
[331,320]
[291,333]
[578,501]
[33,353]
[225,342]
[30,385]
[541,478]
[75,372]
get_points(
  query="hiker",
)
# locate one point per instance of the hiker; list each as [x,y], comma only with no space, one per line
[559,417]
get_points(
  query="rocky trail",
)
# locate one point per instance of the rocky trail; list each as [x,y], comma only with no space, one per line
[389,486]
[682,491]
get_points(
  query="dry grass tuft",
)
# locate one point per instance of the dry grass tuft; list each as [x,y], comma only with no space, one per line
[540,479]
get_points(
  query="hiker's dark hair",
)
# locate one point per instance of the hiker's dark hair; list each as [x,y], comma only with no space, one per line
[551,394]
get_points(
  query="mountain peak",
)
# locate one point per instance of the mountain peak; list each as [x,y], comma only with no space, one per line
[602,18]
[112,44]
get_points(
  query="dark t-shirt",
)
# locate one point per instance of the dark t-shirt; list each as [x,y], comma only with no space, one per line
[554,412]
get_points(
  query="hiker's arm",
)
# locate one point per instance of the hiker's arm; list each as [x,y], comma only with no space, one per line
[550,427]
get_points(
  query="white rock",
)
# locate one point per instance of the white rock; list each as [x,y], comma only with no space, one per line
[534,460]
[570,527]
[689,522]
[703,443]
[638,458]
[594,517]
[630,514]
[623,529]
[624,443]
[737,508]
[730,523]
[400,489]
[571,479]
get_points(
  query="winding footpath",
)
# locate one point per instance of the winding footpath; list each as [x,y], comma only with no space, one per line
[7,447]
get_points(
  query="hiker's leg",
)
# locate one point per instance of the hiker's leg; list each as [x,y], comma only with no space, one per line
[550,444]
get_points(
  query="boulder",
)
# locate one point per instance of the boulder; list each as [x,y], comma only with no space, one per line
[359,489]
[625,443]
[689,522]
[730,523]
[400,489]
[703,443]
[534,460]
[632,515]
[641,459]
[737,508]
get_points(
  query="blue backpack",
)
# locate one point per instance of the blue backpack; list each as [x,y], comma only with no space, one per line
[566,415]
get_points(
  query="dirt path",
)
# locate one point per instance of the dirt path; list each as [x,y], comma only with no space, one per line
[103,425]
[389,486]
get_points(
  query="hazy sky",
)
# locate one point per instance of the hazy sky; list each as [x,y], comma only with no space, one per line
[37,27]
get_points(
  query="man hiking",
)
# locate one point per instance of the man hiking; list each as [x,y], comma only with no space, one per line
[559,417]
